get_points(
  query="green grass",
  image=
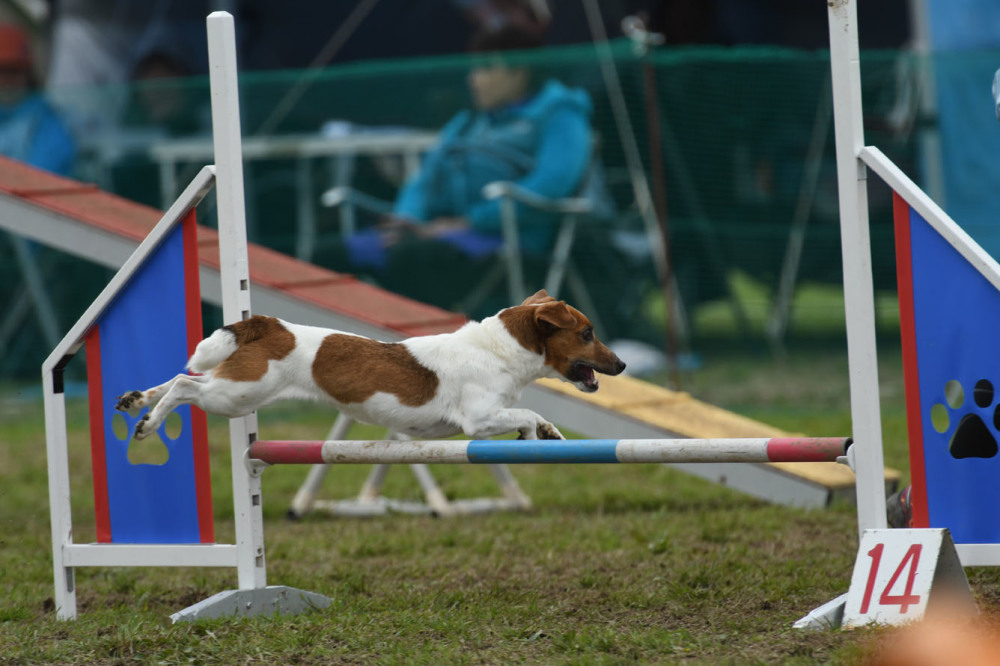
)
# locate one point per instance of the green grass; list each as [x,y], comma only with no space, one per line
[616,564]
[817,310]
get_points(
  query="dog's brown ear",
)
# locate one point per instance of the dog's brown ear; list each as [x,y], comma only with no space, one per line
[555,313]
[540,296]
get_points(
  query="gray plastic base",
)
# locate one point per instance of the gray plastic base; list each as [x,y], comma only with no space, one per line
[274,599]
[828,616]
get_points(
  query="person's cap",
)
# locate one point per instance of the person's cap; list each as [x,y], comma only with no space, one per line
[15,51]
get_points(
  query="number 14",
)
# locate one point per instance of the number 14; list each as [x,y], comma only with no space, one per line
[907,598]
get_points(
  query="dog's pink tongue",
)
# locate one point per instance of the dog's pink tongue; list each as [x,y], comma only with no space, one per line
[588,377]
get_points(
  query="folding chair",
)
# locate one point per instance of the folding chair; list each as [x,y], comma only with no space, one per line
[590,201]
[510,264]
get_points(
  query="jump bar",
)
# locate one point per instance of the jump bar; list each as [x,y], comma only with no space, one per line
[514,451]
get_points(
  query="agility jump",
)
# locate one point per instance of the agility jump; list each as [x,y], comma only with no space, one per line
[129,534]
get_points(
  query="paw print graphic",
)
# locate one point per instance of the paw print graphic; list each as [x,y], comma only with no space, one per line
[971,435]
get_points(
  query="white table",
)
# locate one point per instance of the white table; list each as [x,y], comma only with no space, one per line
[304,149]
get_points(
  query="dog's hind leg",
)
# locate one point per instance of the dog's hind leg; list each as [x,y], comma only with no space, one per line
[181,390]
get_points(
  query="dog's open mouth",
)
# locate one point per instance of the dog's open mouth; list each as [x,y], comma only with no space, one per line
[584,375]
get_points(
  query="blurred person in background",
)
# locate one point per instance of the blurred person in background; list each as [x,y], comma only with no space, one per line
[30,129]
[536,134]
[30,132]
[163,97]
[95,45]
[497,15]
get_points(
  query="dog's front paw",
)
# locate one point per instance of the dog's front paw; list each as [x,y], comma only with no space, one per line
[546,430]
[128,401]
[142,429]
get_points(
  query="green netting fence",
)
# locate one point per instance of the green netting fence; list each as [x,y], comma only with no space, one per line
[747,150]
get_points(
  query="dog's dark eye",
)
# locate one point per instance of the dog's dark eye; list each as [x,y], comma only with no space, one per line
[587,335]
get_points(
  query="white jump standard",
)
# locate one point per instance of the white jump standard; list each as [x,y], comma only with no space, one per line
[570,451]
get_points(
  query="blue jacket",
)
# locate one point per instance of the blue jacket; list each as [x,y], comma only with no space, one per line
[542,144]
[32,132]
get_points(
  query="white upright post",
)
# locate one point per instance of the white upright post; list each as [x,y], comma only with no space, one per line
[235,271]
[60,508]
[859,295]
[254,596]
[859,290]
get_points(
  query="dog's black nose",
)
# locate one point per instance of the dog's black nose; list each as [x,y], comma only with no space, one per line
[619,366]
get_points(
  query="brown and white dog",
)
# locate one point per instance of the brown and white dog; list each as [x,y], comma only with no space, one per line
[424,387]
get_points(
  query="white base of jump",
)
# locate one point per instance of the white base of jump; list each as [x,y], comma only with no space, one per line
[370,502]
[271,600]
[384,506]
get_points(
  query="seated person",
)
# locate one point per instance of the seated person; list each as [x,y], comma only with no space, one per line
[441,227]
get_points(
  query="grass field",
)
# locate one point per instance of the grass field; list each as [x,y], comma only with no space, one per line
[616,564]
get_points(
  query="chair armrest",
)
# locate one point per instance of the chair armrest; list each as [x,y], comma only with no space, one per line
[567,205]
[344,195]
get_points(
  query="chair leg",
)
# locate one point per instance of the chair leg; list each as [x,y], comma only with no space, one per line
[483,289]
[512,251]
[305,241]
[560,256]
[582,297]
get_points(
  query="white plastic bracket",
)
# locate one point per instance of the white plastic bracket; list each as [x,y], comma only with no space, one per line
[849,458]
[254,467]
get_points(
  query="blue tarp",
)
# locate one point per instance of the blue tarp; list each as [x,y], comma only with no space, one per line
[965,40]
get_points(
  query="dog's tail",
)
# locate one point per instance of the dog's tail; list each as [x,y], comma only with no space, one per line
[213,350]
[223,342]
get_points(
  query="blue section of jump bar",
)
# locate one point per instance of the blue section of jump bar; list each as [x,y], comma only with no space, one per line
[515,451]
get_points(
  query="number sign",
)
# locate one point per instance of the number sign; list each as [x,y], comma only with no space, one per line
[898,571]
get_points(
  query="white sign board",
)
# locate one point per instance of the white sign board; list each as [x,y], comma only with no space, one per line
[900,572]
